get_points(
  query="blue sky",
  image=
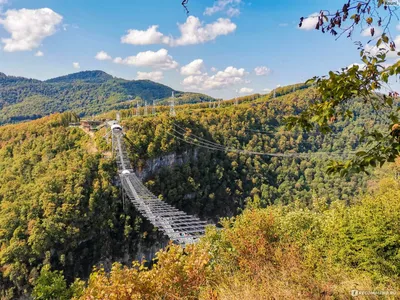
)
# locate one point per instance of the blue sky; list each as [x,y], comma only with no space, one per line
[227,45]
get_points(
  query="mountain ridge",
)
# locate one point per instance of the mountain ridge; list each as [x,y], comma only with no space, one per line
[86,93]
[89,76]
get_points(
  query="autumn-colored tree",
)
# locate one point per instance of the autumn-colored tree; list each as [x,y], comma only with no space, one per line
[282,252]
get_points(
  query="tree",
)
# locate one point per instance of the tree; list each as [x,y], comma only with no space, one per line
[51,285]
[184,4]
[359,83]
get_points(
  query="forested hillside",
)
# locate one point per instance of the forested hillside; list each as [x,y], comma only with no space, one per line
[59,205]
[297,251]
[61,211]
[319,237]
[216,184]
[86,93]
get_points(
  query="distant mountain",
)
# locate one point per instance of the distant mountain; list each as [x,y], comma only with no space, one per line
[12,80]
[86,93]
[86,76]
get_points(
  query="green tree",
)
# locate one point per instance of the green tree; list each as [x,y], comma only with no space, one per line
[51,285]
[359,83]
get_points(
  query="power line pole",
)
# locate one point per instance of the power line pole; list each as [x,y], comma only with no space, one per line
[137,109]
[219,103]
[112,142]
[145,108]
[172,111]
[154,107]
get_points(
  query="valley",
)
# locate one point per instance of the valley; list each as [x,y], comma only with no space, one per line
[70,217]
[211,150]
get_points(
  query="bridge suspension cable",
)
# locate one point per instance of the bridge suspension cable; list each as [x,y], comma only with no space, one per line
[188,137]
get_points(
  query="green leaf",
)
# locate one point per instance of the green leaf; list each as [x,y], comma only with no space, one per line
[361,153]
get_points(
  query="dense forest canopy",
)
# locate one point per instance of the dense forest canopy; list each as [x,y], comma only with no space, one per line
[59,206]
[236,178]
[284,252]
[59,219]
[300,187]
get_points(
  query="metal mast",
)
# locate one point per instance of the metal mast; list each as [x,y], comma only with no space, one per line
[137,109]
[172,111]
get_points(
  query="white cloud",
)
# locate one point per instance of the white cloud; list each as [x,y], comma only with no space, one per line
[194,68]
[367,32]
[66,26]
[145,37]
[102,55]
[246,90]
[2,3]
[39,54]
[154,76]
[157,60]
[360,66]
[76,65]
[232,72]
[194,32]
[229,6]
[267,90]
[310,22]
[233,12]
[214,69]
[229,77]
[262,70]
[383,48]
[390,63]
[28,28]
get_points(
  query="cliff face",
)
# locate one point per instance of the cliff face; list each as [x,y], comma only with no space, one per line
[152,166]
[145,250]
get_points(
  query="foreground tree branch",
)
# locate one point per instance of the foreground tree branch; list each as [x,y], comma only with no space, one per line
[184,4]
[368,83]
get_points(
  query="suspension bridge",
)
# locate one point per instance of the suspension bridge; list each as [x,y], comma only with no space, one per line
[177,225]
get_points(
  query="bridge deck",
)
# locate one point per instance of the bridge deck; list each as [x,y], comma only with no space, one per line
[177,225]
